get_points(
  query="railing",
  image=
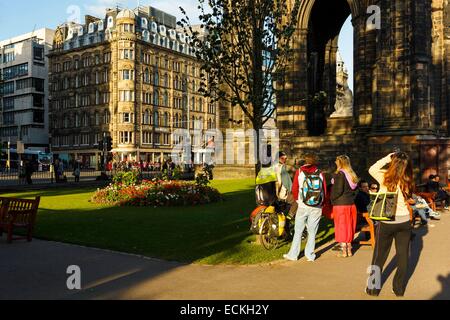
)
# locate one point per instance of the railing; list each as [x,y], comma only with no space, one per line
[14,177]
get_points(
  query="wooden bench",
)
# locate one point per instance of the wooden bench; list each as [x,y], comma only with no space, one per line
[18,214]
[369,228]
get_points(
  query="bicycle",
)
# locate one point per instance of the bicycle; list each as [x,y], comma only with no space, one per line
[275,225]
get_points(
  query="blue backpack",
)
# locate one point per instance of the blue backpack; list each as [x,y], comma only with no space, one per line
[313,191]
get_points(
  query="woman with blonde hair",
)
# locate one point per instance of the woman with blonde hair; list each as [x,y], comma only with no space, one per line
[344,209]
[398,177]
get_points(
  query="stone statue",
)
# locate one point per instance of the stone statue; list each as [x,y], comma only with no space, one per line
[344,96]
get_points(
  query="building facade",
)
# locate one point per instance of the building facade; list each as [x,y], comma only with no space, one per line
[130,76]
[24,95]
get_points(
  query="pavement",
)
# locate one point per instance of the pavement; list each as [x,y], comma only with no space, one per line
[38,270]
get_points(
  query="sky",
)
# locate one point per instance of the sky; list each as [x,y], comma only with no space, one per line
[22,16]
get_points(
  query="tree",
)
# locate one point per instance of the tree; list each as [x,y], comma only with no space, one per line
[245,49]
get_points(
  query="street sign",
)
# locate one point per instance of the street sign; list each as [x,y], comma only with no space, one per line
[20,147]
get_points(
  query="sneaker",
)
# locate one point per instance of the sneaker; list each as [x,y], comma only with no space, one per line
[286,257]
[435,216]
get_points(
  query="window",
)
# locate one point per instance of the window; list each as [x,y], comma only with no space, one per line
[166,99]
[8,104]
[146,117]
[156,119]
[126,96]
[127,54]
[157,138]
[156,78]
[146,76]
[156,98]
[38,53]
[8,57]
[166,80]
[126,137]
[166,139]
[97,119]
[67,65]
[38,116]
[15,71]
[8,118]
[126,117]
[106,75]
[127,74]
[85,139]
[107,57]
[8,87]
[85,120]
[147,137]
[106,117]
[77,120]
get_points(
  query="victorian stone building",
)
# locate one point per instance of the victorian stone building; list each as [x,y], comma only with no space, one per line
[129,75]
[402,83]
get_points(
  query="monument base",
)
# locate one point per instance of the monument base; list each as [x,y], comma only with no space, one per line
[339,126]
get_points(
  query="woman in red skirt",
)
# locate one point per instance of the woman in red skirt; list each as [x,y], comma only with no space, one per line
[344,209]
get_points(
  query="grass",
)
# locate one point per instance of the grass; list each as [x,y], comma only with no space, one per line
[211,234]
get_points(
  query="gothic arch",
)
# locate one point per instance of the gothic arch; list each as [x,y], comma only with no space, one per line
[306,7]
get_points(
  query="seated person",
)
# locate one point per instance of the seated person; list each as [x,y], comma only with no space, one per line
[374,188]
[362,198]
[433,186]
[421,208]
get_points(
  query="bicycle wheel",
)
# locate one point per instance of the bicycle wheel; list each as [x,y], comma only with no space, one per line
[268,240]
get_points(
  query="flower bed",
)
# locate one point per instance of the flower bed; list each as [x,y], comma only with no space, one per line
[156,194]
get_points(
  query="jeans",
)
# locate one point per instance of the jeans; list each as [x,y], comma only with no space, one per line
[309,218]
[422,213]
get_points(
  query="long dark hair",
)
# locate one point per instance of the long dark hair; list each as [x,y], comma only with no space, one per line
[400,174]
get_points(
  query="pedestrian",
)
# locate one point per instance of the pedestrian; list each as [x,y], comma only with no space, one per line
[284,184]
[343,200]
[77,172]
[397,178]
[29,170]
[309,190]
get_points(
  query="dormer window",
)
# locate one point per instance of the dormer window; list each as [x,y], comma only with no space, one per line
[154,27]
[91,28]
[110,23]
[146,35]
[100,25]
[144,23]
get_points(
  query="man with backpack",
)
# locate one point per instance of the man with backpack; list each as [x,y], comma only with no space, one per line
[309,190]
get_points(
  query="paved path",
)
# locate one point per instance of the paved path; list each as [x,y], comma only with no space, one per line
[38,271]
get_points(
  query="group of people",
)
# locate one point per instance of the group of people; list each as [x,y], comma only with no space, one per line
[342,195]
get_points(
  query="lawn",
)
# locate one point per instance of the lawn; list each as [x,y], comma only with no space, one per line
[211,234]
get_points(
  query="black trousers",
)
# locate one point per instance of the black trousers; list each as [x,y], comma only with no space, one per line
[385,234]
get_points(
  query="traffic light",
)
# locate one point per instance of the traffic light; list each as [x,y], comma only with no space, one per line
[109,144]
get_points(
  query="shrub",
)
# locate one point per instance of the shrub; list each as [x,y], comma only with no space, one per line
[126,178]
[157,194]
